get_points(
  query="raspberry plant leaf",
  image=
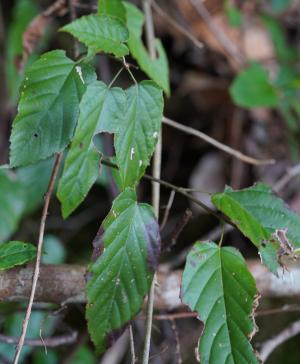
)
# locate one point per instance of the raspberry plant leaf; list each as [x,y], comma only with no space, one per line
[100,33]
[217,285]
[264,219]
[122,275]
[112,8]
[158,69]
[101,110]
[137,135]
[16,253]
[48,108]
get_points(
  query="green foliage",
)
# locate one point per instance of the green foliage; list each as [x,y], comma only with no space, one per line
[252,88]
[264,219]
[48,109]
[101,110]
[233,14]
[158,69]
[137,136]
[122,275]
[112,8]
[12,204]
[16,253]
[100,33]
[218,286]
[83,355]
[280,5]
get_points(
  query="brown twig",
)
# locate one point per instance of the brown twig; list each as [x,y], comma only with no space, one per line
[51,342]
[270,345]
[132,348]
[284,180]
[167,210]
[38,256]
[218,33]
[177,26]
[225,148]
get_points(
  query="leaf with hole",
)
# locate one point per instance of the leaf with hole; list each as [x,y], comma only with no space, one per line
[252,88]
[122,275]
[16,253]
[158,69]
[138,133]
[217,285]
[101,110]
[264,219]
[48,109]
[100,33]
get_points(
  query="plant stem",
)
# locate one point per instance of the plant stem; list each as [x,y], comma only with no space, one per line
[38,256]
[156,171]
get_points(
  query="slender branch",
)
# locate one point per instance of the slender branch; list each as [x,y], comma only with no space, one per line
[270,345]
[156,171]
[167,210]
[38,256]
[177,26]
[218,33]
[132,348]
[51,342]
[225,148]
[284,180]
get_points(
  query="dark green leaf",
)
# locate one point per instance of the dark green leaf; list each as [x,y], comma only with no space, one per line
[157,70]
[138,133]
[122,275]
[112,8]
[218,286]
[252,88]
[101,110]
[264,219]
[100,33]
[16,253]
[48,109]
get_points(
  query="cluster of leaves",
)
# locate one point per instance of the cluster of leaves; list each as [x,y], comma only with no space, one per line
[62,103]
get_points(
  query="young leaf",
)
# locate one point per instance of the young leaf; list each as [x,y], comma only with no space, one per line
[48,109]
[122,275]
[101,110]
[217,284]
[12,204]
[252,88]
[100,33]
[157,70]
[112,8]
[138,133]
[264,219]
[16,253]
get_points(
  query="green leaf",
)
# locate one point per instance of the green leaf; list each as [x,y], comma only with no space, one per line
[122,275]
[233,14]
[83,355]
[112,8]
[264,219]
[101,110]
[48,109]
[138,133]
[218,286]
[100,33]
[12,204]
[16,253]
[252,88]
[157,70]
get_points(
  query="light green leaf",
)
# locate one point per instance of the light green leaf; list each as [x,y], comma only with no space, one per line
[112,8]
[48,109]
[12,204]
[252,88]
[264,219]
[101,110]
[218,286]
[157,70]
[100,33]
[83,355]
[138,134]
[54,251]
[122,275]
[16,253]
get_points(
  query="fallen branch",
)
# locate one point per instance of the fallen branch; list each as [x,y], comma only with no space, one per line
[66,284]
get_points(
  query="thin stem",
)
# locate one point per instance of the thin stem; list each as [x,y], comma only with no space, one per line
[127,67]
[116,77]
[132,348]
[225,148]
[168,209]
[156,171]
[38,256]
